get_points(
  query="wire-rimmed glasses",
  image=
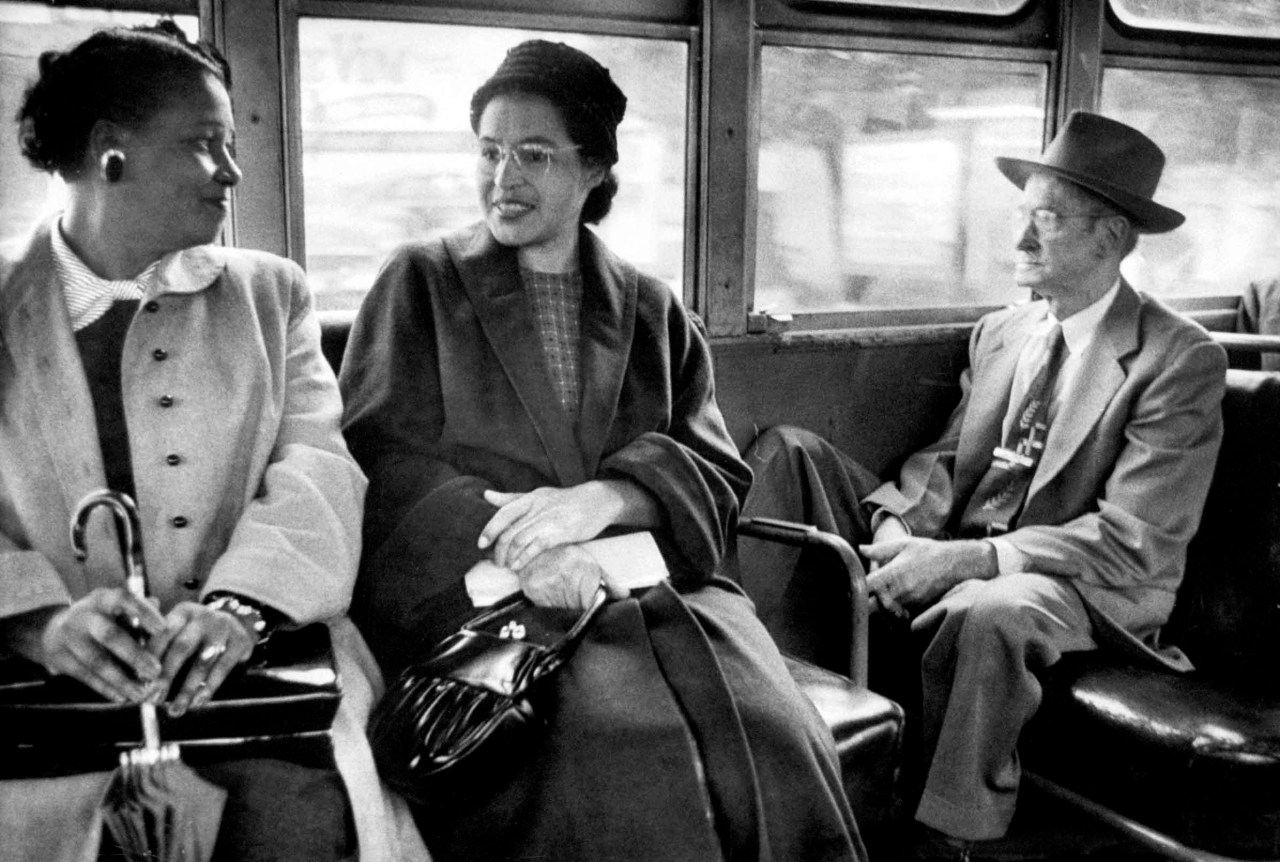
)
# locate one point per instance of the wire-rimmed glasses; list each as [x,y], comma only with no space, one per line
[1047,222]
[532,159]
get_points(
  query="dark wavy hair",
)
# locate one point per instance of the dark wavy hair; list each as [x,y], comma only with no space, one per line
[120,74]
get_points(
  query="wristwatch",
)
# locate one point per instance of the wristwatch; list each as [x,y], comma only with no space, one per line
[251,615]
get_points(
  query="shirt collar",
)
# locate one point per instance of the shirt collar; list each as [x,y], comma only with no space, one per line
[1079,329]
[88,296]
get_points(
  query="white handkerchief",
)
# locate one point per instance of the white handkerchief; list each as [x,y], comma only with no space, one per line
[631,560]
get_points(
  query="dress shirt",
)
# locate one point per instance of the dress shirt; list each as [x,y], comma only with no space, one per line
[1079,332]
[87,296]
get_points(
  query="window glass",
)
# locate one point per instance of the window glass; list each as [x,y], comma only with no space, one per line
[389,155]
[27,30]
[1221,137]
[877,179]
[977,7]
[1252,18]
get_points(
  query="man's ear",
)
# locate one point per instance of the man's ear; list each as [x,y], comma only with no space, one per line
[1114,234]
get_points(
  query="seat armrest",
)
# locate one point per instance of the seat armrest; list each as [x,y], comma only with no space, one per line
[838,551]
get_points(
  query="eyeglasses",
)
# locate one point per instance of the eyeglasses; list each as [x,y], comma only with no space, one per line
[1047,222]
[532,159]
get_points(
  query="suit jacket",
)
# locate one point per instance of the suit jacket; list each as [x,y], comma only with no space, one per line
[1126,467]
[271,496]
[447,394]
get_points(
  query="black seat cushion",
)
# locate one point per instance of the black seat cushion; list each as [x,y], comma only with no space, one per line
[1197,755]
[868,733]
[1196,759]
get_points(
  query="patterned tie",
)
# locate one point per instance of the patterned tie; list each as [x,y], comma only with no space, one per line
[994,506]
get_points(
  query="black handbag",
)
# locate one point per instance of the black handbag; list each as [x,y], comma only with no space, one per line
[450,724]
[280,705]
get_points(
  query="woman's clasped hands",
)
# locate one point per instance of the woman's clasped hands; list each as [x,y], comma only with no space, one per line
[125,649]
[538,535]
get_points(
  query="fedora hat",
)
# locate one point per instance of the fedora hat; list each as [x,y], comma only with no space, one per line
[1110,159]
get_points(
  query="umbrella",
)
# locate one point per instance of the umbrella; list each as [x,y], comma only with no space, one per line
[156,808]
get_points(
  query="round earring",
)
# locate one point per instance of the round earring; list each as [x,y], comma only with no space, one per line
[112,164]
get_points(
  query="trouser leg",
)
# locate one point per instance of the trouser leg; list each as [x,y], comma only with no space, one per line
[798,477]
[986,641]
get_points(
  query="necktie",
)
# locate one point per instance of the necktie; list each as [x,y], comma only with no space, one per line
[994,506]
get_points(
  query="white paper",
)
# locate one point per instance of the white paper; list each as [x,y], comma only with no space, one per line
[631,561]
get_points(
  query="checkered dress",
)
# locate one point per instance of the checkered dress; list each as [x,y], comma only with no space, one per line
[556,301]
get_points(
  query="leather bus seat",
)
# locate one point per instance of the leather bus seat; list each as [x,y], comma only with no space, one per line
[1195,757]
[823,637]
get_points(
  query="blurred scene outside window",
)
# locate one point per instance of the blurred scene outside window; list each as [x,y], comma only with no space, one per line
[1221,137]
[977,7]
[877,179]
[1252,18]
[27,30]
[388,155]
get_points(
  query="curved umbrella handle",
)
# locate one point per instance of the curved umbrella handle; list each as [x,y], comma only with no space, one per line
[128,529]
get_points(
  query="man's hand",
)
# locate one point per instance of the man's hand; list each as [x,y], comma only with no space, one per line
[910,573]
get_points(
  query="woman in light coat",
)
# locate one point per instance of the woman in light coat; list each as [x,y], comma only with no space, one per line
[137,356]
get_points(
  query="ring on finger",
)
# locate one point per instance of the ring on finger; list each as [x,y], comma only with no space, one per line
[213,652]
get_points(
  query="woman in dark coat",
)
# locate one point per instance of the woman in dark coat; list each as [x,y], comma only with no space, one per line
[514,391]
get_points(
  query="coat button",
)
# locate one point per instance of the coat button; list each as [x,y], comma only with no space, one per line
[165,400]
[192,583]
[160,354]
[173,460]
[179,521]
[152,306]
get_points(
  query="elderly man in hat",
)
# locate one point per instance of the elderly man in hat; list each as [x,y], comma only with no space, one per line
[1054,513]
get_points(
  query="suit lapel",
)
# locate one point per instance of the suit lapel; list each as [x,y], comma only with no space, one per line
[490,274]
[1098,379]
[38,335]
[989,402]
[608,328]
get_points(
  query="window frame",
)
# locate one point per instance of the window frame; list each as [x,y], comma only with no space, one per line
[1121,46]
[275,221]
[848,36]
[1079,39]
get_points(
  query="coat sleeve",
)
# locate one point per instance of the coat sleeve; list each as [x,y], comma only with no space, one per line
[422,514]
[296,545]
[1153,497]
[691,466]
[924,492]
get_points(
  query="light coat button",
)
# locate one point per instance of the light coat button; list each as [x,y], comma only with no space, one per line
[165,400]
[179,521]
[191,583]
[159,354]
[152,306]
[173,460]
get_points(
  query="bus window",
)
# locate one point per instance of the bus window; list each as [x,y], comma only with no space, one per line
[388,155]
[877,184]
[26,31]
[1252,18]
[1220,135]
[971,7]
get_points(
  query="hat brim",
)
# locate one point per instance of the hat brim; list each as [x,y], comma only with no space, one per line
[1148,216]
